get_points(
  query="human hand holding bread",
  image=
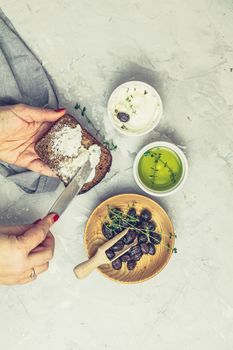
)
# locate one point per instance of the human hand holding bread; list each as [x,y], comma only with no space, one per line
[25,250]
[26,140]
[21,126]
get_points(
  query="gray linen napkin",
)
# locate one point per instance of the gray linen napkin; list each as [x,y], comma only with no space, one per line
[23,79]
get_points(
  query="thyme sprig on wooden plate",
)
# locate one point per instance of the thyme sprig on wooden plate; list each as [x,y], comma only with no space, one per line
[118,217]
[109,144]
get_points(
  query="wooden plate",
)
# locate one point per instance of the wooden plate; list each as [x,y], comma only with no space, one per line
[149,265]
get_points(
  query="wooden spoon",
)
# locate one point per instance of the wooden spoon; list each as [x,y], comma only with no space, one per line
[83,269]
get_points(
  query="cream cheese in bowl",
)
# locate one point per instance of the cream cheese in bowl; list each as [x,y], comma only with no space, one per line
[135,108]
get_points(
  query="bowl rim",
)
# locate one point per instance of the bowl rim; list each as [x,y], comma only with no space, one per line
[171,146]
[137,196]
[156,122]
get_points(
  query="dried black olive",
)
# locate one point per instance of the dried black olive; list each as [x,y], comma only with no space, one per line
[132,212]
[114,212]
[151,225]
[107,232]
[144,248]
[143,225]
[145,215]
[110,254]
[155,238]
[147,225]
[129,237]
[134,250]
[137,256]
[152,237]
[134,234]
[125,257]
[123,117]
[123,224]
[152,249]
[158,238]
[118,230]
[142,238]
[137,220]
[118,246]
[131,264]
[116,264]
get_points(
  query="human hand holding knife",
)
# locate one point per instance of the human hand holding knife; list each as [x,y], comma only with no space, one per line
[74,187]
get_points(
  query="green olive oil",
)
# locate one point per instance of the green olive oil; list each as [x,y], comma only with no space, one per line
[160,169]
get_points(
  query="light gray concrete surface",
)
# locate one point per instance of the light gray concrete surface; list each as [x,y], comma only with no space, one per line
[184,49]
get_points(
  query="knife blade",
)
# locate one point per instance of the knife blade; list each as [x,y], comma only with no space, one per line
[71,190]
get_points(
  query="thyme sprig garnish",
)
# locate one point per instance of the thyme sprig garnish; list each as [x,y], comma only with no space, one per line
[153,176]
[83,112]
[157,159]
[118,217]
[129,100]
[110,145]
[107,143]
[174,250]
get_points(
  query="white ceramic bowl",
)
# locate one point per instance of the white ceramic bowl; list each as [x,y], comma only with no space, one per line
[172,147]
[152,121]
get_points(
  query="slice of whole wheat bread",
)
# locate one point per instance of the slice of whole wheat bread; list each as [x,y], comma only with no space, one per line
[44,148]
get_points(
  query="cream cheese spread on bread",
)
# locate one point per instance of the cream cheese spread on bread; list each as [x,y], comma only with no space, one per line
[67,143]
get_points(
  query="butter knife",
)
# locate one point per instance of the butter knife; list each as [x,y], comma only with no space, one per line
[71,190]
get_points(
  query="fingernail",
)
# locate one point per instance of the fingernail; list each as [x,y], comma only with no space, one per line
[56,217]
[59,110]
[36,222]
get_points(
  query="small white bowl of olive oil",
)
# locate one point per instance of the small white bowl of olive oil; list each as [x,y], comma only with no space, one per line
[160,168]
